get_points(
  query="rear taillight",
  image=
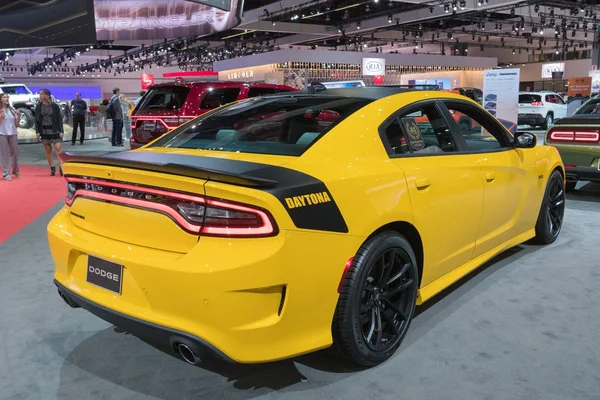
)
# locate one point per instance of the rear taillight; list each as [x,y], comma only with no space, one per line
[537,103]
[573,136]
[193,213]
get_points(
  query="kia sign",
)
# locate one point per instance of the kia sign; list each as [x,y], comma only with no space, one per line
[160,19]
[373,66]
[550,68]
[147,81]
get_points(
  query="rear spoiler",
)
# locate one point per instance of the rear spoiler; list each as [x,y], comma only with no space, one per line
[181,168]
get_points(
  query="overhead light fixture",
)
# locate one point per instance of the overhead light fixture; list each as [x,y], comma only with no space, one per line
[358,25]
[430,10]
[463,4]
[536,8]
[389,19]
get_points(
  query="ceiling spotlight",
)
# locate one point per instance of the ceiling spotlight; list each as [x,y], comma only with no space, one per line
[512,11]
[389,19]
[463,4]
[446,8]
[430,10]
[358,25]
[536,8]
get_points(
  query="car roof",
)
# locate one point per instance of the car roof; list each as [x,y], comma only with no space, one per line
[379,92]
[218,84]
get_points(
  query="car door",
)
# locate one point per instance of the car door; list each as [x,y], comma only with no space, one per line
[561,107]
[445,187]
[508,178]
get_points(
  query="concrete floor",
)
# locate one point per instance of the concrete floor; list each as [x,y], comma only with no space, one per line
[525,326]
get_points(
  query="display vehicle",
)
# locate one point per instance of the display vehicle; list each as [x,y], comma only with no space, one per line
[540,109]
[577,139]
[285,224]
[165,106]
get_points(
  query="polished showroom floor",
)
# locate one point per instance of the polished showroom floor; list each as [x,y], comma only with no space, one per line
[525,326]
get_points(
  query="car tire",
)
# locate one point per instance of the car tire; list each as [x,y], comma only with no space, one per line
[570,186]
[552,211]
[372,318]
[548,122]
[26,118]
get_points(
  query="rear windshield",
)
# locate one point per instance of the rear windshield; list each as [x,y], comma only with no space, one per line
[278,125]
[591,107]
[529,98]
[164,98]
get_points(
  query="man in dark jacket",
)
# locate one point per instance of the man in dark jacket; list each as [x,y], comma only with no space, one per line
[79,109]
[115,112]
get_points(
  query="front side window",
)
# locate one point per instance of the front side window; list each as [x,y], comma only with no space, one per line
[591,107]
[420,131]
[219,97]
[480,132]
[279,125]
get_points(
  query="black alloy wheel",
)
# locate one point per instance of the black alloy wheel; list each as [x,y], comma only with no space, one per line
[550,219]
[377,300]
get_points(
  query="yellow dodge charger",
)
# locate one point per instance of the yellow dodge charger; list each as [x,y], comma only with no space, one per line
[285,224]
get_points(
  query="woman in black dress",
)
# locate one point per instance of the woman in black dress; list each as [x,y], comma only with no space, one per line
[49,128]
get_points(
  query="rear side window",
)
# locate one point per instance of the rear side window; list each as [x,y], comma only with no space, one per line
[218,97]
[255,92]
[279,125]
[529,98]
[164,98]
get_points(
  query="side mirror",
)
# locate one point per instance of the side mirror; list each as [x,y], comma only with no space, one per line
[525,140]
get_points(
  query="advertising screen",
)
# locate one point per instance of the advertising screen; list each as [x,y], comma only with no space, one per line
[46,23]
[160,19]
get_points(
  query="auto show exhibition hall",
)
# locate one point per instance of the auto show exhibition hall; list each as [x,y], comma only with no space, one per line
[299,199]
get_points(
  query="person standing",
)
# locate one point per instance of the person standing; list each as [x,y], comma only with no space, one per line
[79,110]
[128,108]
[49,128]
[115,112]
[9,120]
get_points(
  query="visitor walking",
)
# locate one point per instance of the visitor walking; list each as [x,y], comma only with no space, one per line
[49,128]
[9,120]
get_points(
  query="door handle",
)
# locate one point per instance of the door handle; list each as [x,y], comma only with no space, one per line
[490,176]
[423,183]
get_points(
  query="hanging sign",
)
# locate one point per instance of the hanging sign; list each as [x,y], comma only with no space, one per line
[373,66]
[147,81]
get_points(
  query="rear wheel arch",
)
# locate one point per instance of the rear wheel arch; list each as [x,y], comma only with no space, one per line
[411,234]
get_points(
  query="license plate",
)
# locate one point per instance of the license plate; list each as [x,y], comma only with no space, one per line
[105,274]
[144,135]
[150,125]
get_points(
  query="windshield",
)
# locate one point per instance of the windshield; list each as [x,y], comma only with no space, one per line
[278,125]
[529,98]
[21,89]
[164,98]
[591,107]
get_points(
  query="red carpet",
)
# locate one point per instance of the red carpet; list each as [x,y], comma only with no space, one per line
[24,199]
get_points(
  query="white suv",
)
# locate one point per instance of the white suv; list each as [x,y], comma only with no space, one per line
[540,109]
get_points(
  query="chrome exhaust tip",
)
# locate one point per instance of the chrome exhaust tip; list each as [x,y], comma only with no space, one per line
[187,354]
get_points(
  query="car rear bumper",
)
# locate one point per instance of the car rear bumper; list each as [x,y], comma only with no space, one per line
[141,328]
[531,119]
[574,174]
[248,300]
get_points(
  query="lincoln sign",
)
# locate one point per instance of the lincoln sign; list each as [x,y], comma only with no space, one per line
[373,66]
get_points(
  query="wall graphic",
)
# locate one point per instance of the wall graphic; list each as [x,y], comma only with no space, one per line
[501,93]
[160,19]
[295,78]
[46,23]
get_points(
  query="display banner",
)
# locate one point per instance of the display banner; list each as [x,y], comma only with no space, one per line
[501,93]
[595,75]
[160,19]
[147,81]
[581,87]
[46,23]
